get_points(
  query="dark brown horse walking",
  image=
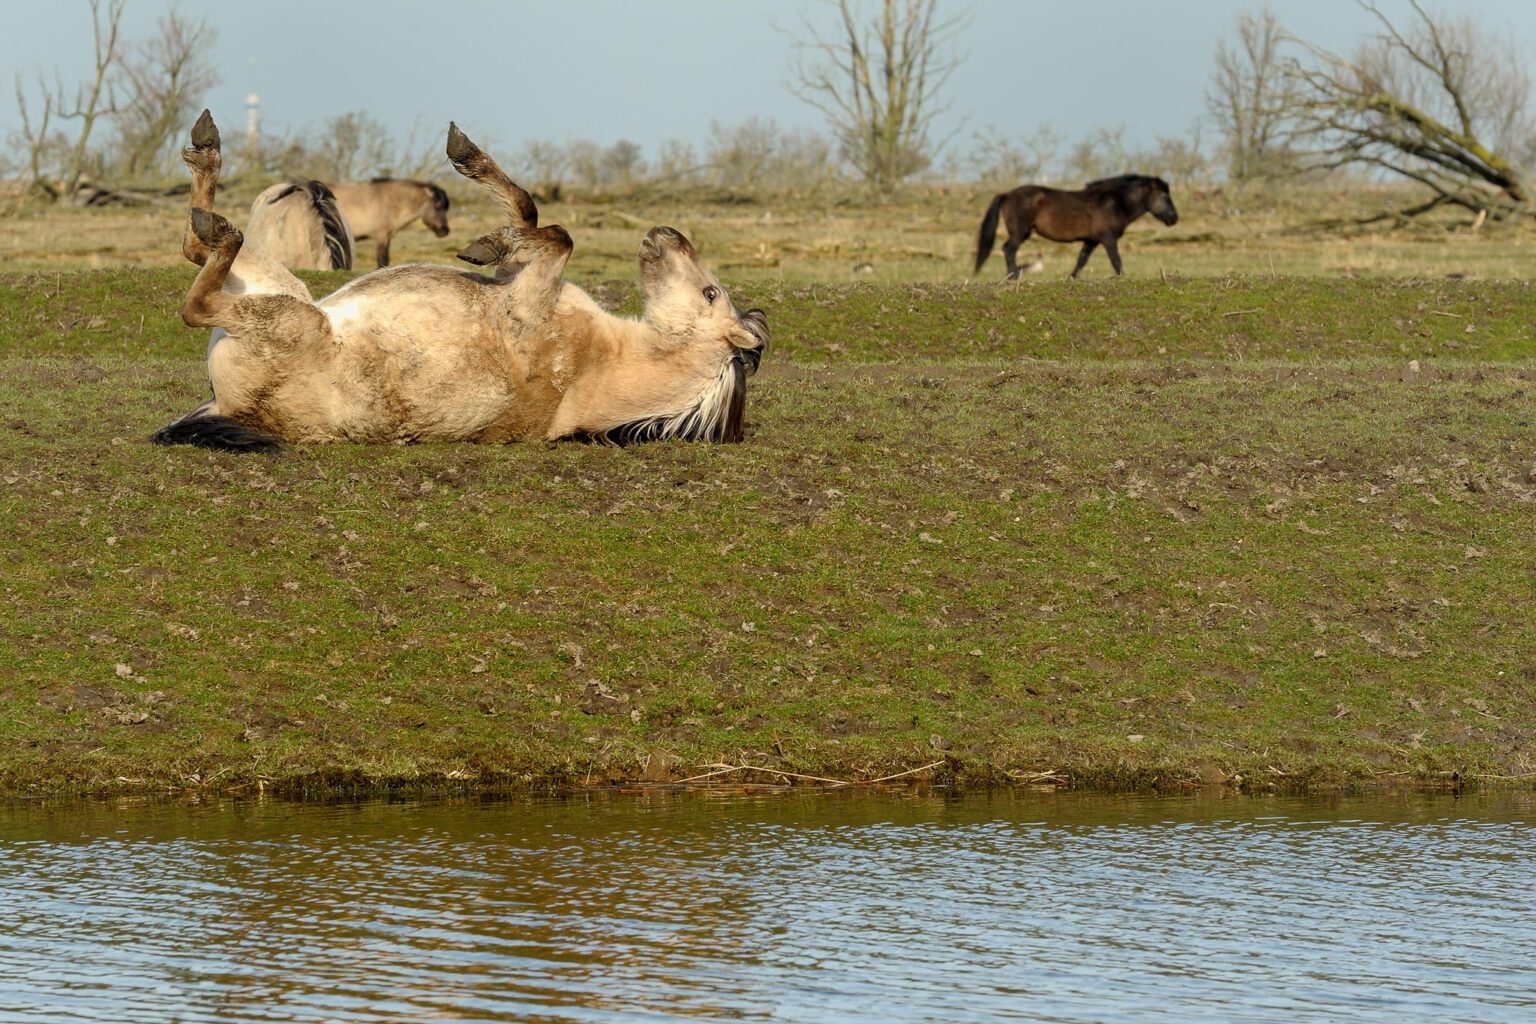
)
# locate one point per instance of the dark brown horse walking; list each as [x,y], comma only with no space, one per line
[1097,215]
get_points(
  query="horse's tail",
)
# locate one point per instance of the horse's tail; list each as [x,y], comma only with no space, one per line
[988,233]
[338,238]
[333,226]
[220,433]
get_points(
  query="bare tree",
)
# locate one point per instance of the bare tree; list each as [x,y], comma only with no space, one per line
[35,137]
[50,155]
[95,100]
[545,163]
[351,145]
[1102,153]
[1444,102]
[1004,161]
[165,79]
[878,81]
[1249,96]
[623,163]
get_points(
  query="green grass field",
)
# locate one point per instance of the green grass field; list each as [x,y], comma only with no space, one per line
[1196,526]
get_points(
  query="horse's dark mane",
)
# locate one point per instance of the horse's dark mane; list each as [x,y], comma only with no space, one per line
[717,416]
[1121,182]
[386,179]
[693,426]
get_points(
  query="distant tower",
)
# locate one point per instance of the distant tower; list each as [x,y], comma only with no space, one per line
[252,123]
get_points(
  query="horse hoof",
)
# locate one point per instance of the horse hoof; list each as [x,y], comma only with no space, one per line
[212,229]
[460,149]
[205,134]
[483,253]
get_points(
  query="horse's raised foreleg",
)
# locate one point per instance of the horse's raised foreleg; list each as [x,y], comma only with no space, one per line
[381,251]
[204,160]
[1082,257]
[1112,250]
[472,162]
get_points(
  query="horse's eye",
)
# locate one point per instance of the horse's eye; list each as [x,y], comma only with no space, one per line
[711,294]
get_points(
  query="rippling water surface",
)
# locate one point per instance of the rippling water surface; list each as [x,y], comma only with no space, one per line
[794,907]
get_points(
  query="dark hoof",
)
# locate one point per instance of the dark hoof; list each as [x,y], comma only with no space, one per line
[205,134]
[482,254]
[460,149]
[213,230]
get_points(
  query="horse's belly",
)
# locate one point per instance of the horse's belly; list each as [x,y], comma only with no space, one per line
[392,388]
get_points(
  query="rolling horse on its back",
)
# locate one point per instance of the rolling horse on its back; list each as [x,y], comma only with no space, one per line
[432,353]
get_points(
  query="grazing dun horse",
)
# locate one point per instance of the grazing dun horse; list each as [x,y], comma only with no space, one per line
[297,224]
[379,208]
[425,353]
[1096,215]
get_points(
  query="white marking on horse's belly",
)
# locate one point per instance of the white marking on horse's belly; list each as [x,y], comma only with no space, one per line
[342,314]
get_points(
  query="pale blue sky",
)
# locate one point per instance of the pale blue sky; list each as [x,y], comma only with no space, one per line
[650,70]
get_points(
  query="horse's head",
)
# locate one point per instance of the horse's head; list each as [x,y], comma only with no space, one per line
[689,306]
[435,214]
[1160,202]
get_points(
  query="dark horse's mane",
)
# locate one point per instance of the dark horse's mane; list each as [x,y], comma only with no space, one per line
[717,414]
[1121,182]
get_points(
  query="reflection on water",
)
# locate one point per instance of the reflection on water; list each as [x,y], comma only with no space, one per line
[793,907]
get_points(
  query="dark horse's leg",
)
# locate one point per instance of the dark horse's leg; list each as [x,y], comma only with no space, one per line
[1112,250]
[1082,257]
[1019,230]
[1011,250]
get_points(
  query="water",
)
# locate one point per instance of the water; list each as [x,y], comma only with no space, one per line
[788,907]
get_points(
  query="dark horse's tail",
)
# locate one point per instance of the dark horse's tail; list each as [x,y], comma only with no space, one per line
[988,233]
[220,433]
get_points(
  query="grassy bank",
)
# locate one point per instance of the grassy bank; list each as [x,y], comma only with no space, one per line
[1187,531]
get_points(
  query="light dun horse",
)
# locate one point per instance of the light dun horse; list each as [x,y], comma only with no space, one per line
[417,353]
[379,208]
[1096,215]
[297,224]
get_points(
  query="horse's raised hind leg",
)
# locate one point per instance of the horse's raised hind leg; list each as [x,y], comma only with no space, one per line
[1112,250]
[472,162]
[204,160]
[1082,257]
[206,304]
